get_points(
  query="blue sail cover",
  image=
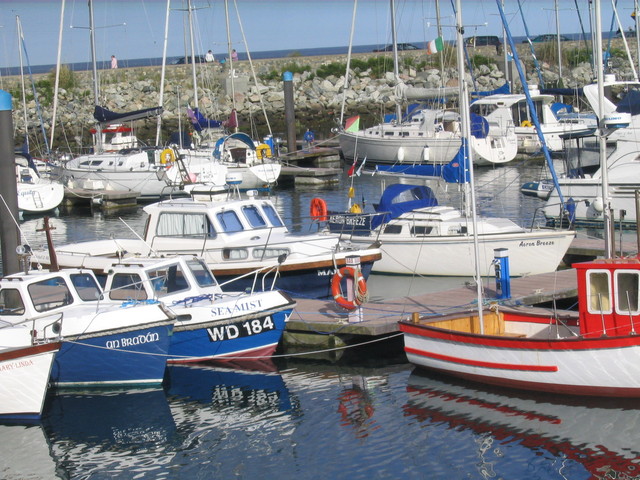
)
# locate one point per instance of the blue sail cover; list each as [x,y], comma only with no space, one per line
[456,171]
[630,103]
[504,89]
[479,126]
[103,115]
[398,199]
[199,121]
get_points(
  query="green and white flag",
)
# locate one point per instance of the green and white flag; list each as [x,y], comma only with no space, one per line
[435,46]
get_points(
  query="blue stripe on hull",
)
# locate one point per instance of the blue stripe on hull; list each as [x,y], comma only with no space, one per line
[134,357]
[203,343]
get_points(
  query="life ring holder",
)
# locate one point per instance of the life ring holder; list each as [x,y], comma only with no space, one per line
[167,157]
[360,287]
[318,210]
[263,151]
[526,123]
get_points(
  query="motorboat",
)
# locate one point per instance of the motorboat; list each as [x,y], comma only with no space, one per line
[103,342]
[580,198]
[558,122]
[238,234]
[211,324]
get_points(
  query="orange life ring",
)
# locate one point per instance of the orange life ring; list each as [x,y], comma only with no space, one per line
[318,210]
[361,288]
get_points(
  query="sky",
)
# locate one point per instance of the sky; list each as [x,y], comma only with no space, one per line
[135,29]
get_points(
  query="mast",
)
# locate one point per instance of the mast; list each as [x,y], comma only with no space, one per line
[96,93]
[558,41]
[466,133]
[164,68]
[396,69]
[606,200]
[57,81]
[193,56]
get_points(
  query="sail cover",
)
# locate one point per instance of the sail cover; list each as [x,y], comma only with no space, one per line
[103,115]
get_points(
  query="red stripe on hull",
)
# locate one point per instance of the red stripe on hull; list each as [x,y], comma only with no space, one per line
[477,363]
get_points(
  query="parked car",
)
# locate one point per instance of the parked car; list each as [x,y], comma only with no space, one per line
[483,41]
[401,46]
[548,37]
[184,60]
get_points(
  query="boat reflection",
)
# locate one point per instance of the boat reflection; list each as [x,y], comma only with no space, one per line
[598,436]
[99,430]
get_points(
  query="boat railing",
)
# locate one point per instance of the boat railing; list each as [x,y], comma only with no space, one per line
[46,328]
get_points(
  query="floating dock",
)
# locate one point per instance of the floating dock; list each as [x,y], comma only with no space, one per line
[316,166]
[105,200]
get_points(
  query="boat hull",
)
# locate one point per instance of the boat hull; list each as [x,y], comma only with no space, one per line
[256,336]
[24,376]
[604,366]
[134,356]
[529,253]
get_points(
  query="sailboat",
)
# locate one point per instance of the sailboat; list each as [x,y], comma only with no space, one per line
[118,163]
[594,351]
[426,135]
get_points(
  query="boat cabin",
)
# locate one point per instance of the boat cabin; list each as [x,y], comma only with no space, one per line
[609,297]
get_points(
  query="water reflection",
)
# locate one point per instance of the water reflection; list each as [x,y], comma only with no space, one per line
[24,453]
[561,437]
[98,431]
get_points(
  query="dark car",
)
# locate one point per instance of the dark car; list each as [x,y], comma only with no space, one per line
[548,37]
[483,41]
[401,46]
[184,60]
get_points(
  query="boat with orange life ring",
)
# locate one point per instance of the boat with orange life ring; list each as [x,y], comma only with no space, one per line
[360,286]
[318,210]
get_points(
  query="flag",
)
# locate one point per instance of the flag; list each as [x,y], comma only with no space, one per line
[435,46]
[352,168]
[352,124]
[360,167]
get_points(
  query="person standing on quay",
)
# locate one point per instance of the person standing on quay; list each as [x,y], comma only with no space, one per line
[234,55]
[209,58]
[114,61]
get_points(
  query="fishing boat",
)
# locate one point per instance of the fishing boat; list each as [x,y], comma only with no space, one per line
[103,343]
[592,351]
[24,376]
[211,324]
[238,234]
[418,236]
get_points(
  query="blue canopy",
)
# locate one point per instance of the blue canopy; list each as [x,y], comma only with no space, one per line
[243,137]
[630,103]
[199,121]
[505,88]
[398,199]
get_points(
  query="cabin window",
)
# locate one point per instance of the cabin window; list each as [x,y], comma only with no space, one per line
[127,286]
[272,215]
[201,272]
[235,254]
[229,221]
[393,229]
[627,286]
[167,280]
[421,230]
[260,253]
[252,214]
[598,292]
[86,286]
[49,294]
[11,302]
[184,225]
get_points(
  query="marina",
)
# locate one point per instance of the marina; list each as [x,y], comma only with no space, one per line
[346,292]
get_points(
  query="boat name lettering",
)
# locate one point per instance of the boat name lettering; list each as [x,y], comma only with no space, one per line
[131,341]
[239,307]
[351,220]
[537,243]
[227,396]
[240,329]
[15,365]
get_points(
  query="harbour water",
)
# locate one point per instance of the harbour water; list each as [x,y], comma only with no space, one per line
[307,418]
